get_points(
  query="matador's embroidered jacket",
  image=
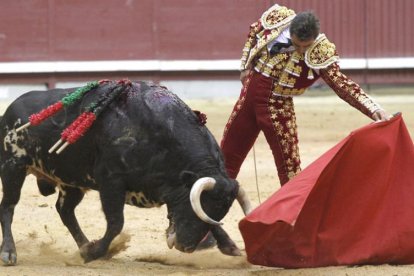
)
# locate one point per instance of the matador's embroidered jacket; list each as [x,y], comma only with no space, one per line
[293,72]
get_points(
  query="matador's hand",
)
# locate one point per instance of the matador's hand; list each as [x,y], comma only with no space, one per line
[243,75]
[380,116]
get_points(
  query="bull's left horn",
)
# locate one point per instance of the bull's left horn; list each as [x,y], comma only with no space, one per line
[202,184]
[244,201]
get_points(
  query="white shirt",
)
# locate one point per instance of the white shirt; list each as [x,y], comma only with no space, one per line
[282,38]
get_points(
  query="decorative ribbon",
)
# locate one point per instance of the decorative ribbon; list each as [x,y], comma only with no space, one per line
[84,121]
[37,118]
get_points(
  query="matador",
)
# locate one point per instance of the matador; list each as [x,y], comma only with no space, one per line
[284,55]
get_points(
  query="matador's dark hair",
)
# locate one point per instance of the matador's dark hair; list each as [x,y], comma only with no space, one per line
[305,26]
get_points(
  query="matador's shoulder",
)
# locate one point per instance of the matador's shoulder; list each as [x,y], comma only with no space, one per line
[276,16]
[321,53]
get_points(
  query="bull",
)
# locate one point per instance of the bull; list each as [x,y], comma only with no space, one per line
[146,148]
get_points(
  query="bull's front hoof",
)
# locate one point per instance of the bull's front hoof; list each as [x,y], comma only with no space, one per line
[231,250]
[8,258]
[208,242]
[91,251]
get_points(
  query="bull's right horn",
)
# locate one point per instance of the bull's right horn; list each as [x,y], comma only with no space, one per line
[202,184]
[244,201]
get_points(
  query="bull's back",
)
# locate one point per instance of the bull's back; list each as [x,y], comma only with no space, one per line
[29,103]
[30,146]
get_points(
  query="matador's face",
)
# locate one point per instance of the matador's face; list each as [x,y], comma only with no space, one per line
[301,45]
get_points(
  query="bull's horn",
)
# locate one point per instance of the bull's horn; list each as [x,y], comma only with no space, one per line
[202,184]
[244,201]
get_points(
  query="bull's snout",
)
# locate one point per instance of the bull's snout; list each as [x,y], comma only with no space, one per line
[173,243]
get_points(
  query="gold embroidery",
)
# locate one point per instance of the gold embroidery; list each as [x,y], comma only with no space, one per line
[238,105]
[279,90]
[278,21]
[293,69]
[321,53]
[276,16]
[296,57]
[286,84]
[349,90]
[271,66]
[284,122]
[292,174]
[310,74]
[286,81]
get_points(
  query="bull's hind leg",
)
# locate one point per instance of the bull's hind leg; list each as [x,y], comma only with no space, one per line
[68,199]
[112,195]
[12,177]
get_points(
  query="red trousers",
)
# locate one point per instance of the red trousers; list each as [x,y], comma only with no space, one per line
[257,109]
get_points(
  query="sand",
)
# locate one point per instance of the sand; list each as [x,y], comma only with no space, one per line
[45,247]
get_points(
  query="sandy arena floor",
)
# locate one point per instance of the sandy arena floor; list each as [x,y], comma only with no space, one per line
[45,247]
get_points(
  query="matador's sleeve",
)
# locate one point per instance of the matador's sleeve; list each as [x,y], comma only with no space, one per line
[250,43]
[348,90]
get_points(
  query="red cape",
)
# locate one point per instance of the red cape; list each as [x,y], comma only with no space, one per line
[353,205]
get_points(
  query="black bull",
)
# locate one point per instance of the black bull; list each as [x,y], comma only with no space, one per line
[146,148]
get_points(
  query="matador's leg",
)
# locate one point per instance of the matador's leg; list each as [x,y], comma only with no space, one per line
[278,123]
[241,130]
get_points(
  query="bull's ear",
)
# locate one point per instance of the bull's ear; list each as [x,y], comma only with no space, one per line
[188,178]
